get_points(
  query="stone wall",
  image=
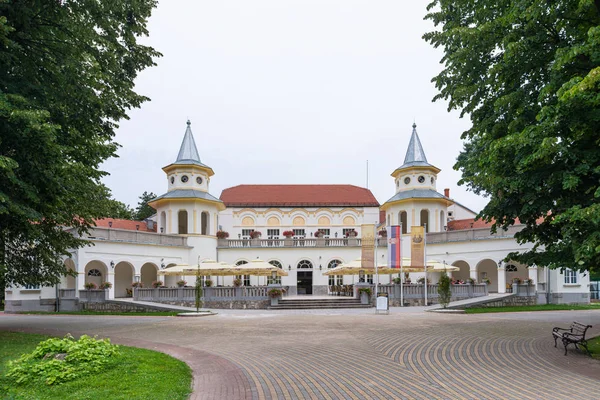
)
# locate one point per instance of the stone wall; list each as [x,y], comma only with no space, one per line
[511,301]
[116,306]
[225,304]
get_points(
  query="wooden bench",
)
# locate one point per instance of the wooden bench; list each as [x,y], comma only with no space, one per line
[574,335]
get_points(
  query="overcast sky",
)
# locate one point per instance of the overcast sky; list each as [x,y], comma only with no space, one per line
[285,91]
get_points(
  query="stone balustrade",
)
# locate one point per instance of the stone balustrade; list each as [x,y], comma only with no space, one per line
[416,291]
[121,235]
[209,294]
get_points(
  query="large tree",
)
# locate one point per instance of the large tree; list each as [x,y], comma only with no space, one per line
[527,73]
[143,210]
[67,71]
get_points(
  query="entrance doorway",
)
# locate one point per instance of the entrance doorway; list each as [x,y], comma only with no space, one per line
[305,281]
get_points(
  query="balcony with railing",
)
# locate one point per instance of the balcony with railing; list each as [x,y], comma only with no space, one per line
[126,236]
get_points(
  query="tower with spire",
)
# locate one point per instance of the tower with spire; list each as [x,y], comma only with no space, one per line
[416,202]
[187,208]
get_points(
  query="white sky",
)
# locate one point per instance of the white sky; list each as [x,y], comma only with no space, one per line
[282,91]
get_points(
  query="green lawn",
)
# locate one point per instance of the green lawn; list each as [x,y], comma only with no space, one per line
[594,346]
[544,307]
[136,374]
[129,314]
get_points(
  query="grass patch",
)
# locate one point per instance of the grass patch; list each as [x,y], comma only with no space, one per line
[594,346]
[129,314]
[541,307]
[135,374]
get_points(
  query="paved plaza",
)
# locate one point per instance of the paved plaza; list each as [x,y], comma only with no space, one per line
[355,354]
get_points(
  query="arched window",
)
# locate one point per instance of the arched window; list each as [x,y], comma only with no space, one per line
[298,221]
[304,264]
[324,221]
[248,221]
[511,268]
[163,222]
[442,221]
[277,280]
[404,221]
[425,219]
[182,218]
[94,272]
[204,223]
[245,278]
[335,279]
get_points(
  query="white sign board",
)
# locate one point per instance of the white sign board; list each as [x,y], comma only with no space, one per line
[382,304]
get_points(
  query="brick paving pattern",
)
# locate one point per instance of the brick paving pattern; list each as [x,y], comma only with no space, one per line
[356,354]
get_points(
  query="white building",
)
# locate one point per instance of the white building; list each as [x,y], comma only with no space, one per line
[188,218]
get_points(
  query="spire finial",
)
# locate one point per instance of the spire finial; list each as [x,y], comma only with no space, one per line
[188,122]
[414,125]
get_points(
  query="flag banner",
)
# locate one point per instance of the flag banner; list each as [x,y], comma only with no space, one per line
[417,247]
[394,246]
[368,245]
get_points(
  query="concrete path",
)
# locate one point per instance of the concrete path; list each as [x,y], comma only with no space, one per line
[473,301]
[356,354]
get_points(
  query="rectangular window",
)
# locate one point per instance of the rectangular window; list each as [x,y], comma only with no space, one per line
[326,232]
[31,287]
[246,233]
[370,279]
[570,276]
[272,233]
[299,233]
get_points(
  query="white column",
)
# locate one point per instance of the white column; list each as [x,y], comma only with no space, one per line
[501,278]
[473,274]
[533,275]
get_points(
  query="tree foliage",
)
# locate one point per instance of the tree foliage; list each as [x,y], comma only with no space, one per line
[143,210]
[120,210]
[527,72]
[67,71]
[444,289]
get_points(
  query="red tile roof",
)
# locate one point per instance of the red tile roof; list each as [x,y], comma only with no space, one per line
[462,224]
[123,224]
[298,196]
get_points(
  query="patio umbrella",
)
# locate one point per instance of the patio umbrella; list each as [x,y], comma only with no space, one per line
[436,266]
[257,268]
[206,268]
[355,267]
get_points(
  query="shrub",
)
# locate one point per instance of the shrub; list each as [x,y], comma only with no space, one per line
[237,282]
[222,234]
[90,286]
[366,290]
[129,292]
[421,280]
[157,284]
[208,283]
[275,293]
[105,285]
[55,360]
[444,290]
[255,234]
[181,283]
[397,281]
[288,234]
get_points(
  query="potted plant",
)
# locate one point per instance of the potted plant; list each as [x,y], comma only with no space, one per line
[208,283]
[365,295]
[421,280]
[255,236]
[137,285]
[383,237]
[157,284]
[320,238]
[486,281]
[128,292]
[275,295]
[105,285]
[181,283]
[528,281]
[471,281]
[237,282]
[90,286]
[222,238]
[397,281]
[318,234]
[517,281]
[351,233]
[288,238]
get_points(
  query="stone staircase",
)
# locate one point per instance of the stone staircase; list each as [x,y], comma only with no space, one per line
[318,303]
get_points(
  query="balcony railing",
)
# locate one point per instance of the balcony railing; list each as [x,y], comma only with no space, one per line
[472,234]
[120,235]
[314,242]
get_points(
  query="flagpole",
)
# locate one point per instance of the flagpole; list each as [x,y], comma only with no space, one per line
[401,268]
[425,258]
[376,265]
